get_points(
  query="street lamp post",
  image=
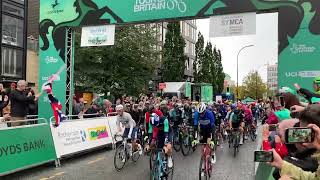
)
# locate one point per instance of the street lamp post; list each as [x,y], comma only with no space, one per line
[238,68]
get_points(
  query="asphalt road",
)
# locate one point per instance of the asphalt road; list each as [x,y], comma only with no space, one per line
[98,165]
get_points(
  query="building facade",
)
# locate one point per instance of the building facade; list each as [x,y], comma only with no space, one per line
[14,39]
[272,77]
[189,33]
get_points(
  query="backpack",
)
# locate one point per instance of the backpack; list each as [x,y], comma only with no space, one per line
[234,118]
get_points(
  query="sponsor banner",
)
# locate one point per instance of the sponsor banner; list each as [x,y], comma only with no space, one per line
[206,94]
[98,35]
[79,135]
[233,25]
[299,62]
[24,147]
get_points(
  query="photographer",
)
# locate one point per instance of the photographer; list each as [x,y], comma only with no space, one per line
[310,117]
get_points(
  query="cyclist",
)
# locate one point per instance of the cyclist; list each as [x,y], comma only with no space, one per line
[205,119]
[130,131]
[159,127]
[175,117]
[248,119]
[236,121]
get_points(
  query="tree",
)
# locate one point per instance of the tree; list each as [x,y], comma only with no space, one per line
[220,73]
[205,73]
[254,86]
[236,91]
[125,68]
[199,57]
[173,54]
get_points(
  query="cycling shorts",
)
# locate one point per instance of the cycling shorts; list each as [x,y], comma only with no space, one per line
[236,125]
[162,139]
[133,134]
[205,133]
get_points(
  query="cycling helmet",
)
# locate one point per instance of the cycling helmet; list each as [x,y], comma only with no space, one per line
[317,80]
[202,107]
[155,119]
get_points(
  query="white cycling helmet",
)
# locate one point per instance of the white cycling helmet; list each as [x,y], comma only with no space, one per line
[202,107]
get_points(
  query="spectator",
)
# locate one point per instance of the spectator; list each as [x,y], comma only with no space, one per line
[92,112]
[135,114]
[3,99]
[78,107]
[304,158]
[20,102]
[107,107]
[33,106]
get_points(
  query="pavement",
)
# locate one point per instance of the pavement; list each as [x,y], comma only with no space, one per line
[98,165]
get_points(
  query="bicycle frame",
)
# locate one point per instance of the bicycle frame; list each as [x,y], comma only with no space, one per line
[206,155]
[160,166]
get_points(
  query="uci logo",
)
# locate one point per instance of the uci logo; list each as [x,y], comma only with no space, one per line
[292,74]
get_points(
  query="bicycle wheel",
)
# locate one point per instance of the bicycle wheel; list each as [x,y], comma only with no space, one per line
[176,142]
[135,156]
[253,135]
[193,146]
[120,158]
[185,145]
[209,167]
[170,171]
[155,173]
[235,145]
[202,169]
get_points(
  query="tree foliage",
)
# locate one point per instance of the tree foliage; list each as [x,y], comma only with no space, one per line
[209,63]
[125,68]
[173,54]
[253,85]
[220,73]
[199,57]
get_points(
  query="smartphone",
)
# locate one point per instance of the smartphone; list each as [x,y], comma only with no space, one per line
[273,127]
[281,99]
[299,135]
[263,156]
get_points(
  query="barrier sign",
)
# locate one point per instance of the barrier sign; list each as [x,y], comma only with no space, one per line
[79,135]
[25,147]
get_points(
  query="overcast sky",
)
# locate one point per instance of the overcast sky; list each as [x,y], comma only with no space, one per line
[264,51]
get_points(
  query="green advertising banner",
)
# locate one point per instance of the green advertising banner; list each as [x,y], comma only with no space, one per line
[24,147]
[206,94]
[188,89]
[299,29]
[300,61]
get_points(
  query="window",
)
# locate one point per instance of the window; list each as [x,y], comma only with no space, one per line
[187,29]
[186,50]
[187,64]
[19,1]
[11,62]
[9,8]
[12,31]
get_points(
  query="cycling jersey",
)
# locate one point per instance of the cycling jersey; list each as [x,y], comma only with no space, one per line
[159,128]
[206,122]
[236,118]
[128,123]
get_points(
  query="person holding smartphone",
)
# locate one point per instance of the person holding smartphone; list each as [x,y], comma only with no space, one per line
[309,118]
